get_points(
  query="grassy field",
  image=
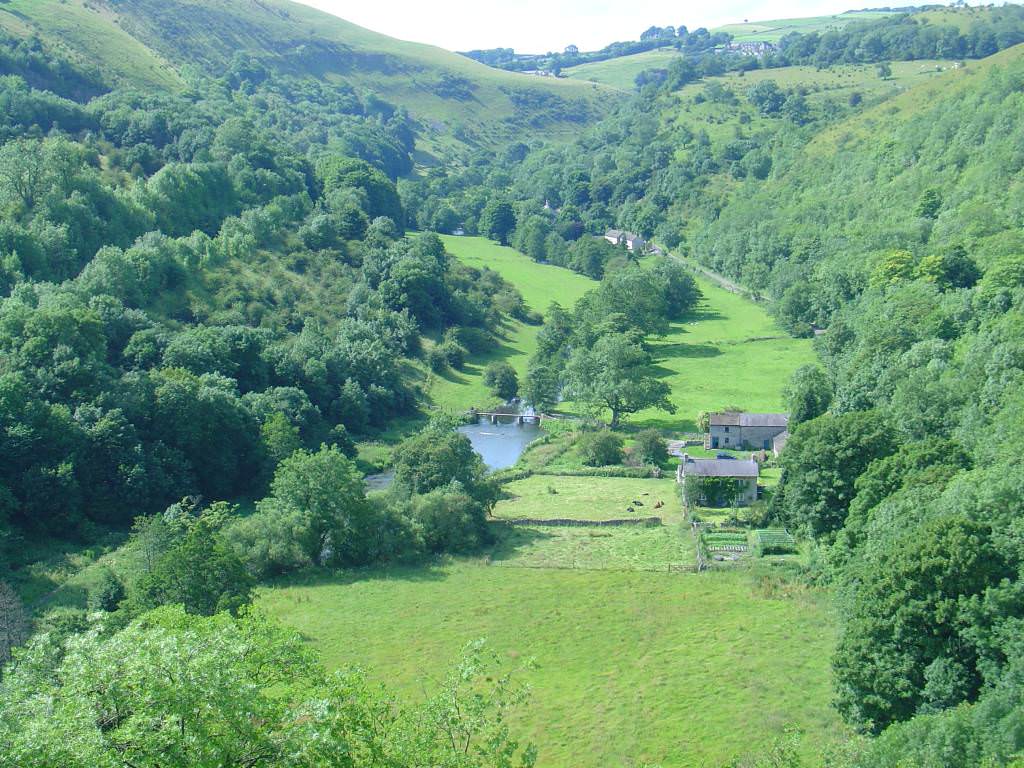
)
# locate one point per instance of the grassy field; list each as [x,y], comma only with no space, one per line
[729,353]
[632,666]
[626,548]
[621,72]
[589,498]
[540,284]
[774,30]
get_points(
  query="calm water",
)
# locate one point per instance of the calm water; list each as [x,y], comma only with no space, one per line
[499,445]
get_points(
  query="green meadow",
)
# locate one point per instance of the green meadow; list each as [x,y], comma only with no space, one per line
[774,30]
[621,72]
[729,352]
[589,498]
[632,665]
[540,285]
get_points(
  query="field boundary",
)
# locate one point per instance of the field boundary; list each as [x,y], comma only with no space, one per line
[648,522]
[667,567]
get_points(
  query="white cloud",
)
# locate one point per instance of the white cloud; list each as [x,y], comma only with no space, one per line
[534,26]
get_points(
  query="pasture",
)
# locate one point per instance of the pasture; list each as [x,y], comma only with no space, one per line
[836,84]
[589,498]
[632,666]
[774,30]
[540,284]
[729,352]
[621,72]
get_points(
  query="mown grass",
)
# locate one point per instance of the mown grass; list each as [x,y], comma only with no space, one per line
[633,666]
[589,498]
[622,548]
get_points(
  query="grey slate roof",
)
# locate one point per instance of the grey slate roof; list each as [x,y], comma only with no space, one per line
[720,468]
[749,419]
[724,419]
[764,419]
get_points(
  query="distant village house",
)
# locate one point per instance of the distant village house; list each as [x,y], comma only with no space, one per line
[634,243]
[752,48]
[718,482]
[747,431]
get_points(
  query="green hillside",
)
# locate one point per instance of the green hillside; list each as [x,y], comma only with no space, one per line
[621,72]
[154,43]
[773,31]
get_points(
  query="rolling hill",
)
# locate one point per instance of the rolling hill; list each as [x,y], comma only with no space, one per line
[165,43]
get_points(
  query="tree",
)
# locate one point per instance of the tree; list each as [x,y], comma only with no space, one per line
[808,394]
[767,97]
[324,494]
[107,593]
[172,690]
[201,573]
[338,174]
[280,438]
[13,623]
[498,219]
[502,379]
[821,464]
[439,457]
[613,374]
[929,204]
[901,644]
[884,70]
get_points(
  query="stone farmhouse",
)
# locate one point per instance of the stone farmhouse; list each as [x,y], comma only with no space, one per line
[747,431]
[634,243]
[744,472]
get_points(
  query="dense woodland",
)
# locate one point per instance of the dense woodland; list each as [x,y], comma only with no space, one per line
[207,295]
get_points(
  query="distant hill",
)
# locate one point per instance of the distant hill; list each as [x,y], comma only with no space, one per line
[158,43]
[773,31]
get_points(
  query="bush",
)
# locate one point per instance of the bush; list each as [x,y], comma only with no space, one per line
[454,353]
[437,359]
[599,449]
[650,447]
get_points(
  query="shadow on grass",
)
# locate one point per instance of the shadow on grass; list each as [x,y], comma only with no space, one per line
[681,349]
[509,539]
[421,571]
[703,313]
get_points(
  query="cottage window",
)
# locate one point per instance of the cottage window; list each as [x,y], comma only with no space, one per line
[726,429]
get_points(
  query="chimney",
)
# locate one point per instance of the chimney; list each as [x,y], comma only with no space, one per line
[686,458]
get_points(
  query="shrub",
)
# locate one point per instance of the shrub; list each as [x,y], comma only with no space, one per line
[651,448]
[454,353]
[437,359]
[599,449]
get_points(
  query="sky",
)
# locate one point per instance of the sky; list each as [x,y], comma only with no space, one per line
[539,26]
